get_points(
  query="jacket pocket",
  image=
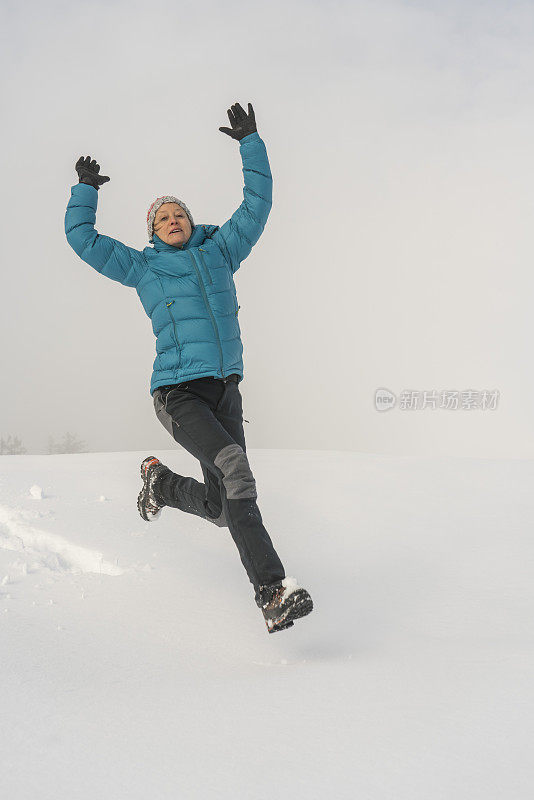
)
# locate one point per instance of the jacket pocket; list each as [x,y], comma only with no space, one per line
[169,305]
[204,266]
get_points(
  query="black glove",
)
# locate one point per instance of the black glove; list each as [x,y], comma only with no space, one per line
[88,172]
[242,123]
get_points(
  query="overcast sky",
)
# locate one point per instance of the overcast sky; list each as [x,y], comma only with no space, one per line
[398,252]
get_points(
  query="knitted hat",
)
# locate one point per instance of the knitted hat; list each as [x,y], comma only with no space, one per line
[159,201]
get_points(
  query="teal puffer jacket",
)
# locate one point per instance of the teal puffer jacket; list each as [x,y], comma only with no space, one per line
[189,293]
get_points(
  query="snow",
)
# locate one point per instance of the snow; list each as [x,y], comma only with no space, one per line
[290,585]
[136,664]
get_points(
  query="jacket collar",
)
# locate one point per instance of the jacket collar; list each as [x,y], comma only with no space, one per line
[197,237]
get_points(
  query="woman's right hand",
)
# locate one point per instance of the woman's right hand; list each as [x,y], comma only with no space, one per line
[88,170]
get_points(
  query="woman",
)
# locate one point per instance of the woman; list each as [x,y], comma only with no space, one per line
[185,283]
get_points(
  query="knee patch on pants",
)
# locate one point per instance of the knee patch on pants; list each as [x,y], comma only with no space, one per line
[220,521]
[237,475]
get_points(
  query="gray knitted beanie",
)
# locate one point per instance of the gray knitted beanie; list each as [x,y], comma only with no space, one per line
[159,201]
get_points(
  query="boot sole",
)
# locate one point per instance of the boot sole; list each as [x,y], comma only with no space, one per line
[281,627]
[143,495]
[301,605]
[140,505]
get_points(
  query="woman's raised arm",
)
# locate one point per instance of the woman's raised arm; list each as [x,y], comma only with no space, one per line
[237,237]
[108,256]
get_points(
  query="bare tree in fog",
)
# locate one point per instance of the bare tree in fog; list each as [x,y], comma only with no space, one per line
[69,443]
[12,446]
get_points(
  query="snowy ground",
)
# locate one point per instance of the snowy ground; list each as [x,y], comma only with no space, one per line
[135,664]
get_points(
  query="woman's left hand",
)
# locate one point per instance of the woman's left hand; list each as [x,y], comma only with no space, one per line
[242,123]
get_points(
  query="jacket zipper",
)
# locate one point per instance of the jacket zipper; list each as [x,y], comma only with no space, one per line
[206,270]
[205,296]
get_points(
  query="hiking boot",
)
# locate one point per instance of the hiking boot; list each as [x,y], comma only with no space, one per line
[148,502]
[283,602]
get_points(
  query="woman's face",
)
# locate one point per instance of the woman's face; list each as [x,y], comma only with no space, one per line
[172,225]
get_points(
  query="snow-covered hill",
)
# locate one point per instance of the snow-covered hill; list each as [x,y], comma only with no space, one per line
[135,664]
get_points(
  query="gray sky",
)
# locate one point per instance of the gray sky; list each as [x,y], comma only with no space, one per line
[398,252]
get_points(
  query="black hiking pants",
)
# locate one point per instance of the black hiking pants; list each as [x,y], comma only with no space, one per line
[205,416]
